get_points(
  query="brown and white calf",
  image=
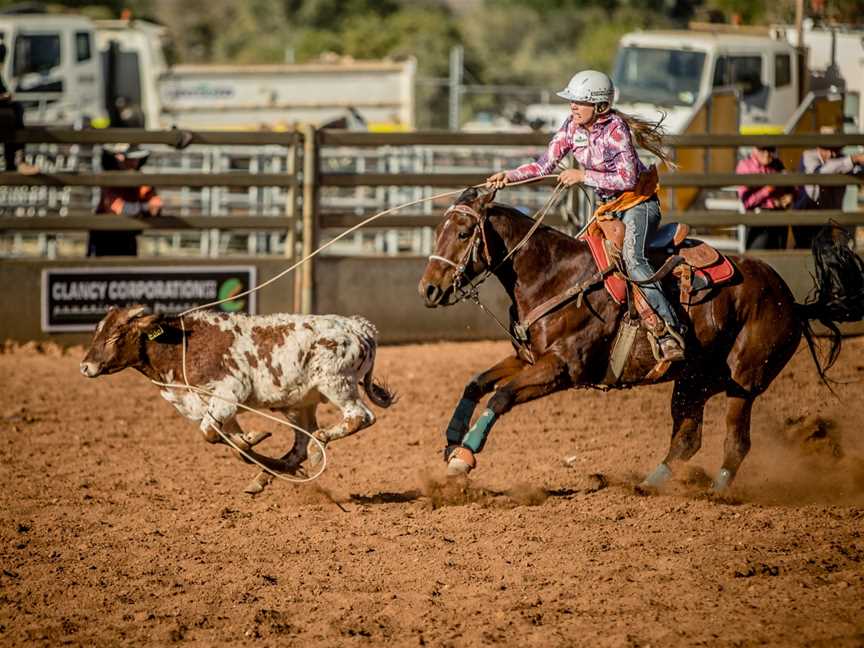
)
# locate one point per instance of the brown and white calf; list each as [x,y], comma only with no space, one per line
[287,363]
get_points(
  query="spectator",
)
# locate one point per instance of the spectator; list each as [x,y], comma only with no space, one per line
[123,201]
[12,118]
[770,198]
[822,159]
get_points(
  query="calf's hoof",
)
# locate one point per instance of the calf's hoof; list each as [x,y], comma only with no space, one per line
[314,454]
[259,483]
[460,462]
[256,438]
[246,442]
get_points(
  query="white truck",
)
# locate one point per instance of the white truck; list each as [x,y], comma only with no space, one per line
[671,72]
[359,95]
[70,70]
[53,67]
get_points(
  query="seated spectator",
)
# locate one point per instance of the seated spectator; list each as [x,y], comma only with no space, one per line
[124,201]
[822,159]
[764,160]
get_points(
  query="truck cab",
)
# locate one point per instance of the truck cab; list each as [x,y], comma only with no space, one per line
[53,68]
[669,73]
[133,65]
[672,71]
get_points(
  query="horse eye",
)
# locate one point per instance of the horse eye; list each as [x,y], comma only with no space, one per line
[464,235]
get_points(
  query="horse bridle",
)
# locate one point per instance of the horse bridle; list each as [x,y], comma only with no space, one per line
[477,250]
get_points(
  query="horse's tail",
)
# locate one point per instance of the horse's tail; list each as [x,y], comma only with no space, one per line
[838,294]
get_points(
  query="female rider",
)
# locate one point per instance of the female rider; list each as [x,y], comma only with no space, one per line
[601,140]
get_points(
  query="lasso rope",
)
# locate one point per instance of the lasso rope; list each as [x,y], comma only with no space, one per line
[199,390]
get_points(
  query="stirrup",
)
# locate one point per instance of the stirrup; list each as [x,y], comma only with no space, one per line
[671,348]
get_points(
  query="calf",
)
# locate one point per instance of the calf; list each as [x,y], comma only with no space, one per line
[287,363]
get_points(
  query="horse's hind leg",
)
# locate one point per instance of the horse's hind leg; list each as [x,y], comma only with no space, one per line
[688,406]
[737,445]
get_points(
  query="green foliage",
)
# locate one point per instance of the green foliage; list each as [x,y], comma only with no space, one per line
[749,11]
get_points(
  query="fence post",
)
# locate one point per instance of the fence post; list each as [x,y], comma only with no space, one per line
[291,205]
[310,224]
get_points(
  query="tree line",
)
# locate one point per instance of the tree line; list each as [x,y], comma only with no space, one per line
[528,44]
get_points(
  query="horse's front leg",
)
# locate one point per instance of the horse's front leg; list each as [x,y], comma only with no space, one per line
[477,387]
[547,375]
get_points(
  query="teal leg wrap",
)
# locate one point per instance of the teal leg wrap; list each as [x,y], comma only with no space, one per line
[460,421]
[476,437]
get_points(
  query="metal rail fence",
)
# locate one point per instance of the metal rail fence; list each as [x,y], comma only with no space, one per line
[301,176]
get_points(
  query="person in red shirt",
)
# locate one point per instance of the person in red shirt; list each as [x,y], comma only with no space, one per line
[768,197]
[124,201]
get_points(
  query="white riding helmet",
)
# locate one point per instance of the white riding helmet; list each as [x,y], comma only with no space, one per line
[589,86]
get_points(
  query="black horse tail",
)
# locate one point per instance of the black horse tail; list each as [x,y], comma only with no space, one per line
[838,294]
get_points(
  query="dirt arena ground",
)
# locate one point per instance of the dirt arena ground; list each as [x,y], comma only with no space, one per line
[119,525]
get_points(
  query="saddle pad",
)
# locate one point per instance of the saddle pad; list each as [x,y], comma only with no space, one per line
[716,274]
[615,285]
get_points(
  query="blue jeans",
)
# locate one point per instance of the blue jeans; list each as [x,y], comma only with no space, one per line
[641,223]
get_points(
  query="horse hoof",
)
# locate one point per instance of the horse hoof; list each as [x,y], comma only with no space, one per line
[657,478]
[461,462]
[255,439]
[724,479]
[449,451]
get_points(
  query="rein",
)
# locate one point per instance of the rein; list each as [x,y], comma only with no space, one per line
[471,290]
[471,252]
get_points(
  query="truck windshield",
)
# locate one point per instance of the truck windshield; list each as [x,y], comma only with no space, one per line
[663,77]
[36,53]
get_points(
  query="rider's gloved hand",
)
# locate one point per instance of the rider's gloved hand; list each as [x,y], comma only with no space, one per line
[497,180]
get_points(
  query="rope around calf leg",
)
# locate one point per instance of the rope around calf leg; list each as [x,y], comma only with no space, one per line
[200,390]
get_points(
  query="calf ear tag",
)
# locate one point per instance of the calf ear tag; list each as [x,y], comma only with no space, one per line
[154,333]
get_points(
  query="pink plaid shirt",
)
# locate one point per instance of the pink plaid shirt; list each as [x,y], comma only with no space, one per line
[605,152]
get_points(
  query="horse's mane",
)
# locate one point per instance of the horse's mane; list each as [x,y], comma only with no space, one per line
[472,194]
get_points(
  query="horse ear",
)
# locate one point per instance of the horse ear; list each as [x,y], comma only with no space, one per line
[487,197]
[468,196]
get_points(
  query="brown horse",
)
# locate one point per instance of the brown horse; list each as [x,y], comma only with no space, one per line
[739,336]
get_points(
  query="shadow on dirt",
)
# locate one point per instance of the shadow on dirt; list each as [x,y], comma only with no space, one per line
[460,492]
